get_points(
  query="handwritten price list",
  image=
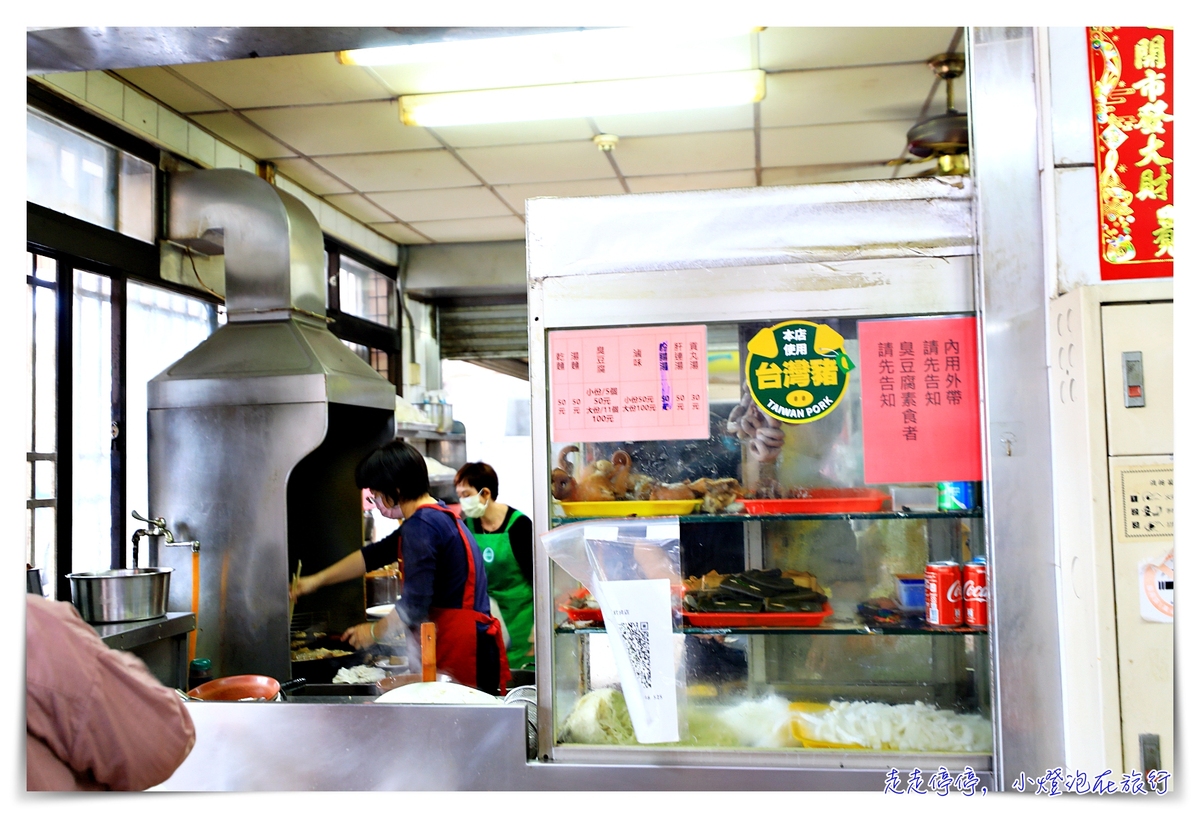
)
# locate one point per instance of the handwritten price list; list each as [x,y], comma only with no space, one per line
[636,383]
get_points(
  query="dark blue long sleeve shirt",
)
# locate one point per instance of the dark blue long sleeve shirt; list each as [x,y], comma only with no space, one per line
[435,564]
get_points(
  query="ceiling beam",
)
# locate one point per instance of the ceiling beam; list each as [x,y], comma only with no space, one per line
[53,50]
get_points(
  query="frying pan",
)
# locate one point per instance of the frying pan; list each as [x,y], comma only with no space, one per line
[238,688]
[319,671]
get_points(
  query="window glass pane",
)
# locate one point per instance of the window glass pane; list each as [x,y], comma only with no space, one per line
[42,535]
[161,327]
[43,480]
[44,326]
[379,360]
[359,350]
[70,172]
[366,293]
[91,525]
[135,198]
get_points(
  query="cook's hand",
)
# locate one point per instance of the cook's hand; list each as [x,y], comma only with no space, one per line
[304,585]
[360,636]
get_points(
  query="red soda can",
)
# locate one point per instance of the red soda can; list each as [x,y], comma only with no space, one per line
[975,593]
[943,594]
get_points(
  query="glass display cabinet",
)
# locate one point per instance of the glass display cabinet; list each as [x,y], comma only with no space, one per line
[757,425]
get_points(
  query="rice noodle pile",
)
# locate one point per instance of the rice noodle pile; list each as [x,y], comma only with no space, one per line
[359,675]
[915,727]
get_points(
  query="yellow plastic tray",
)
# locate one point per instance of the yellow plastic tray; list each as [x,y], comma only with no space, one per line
[800,728]
[631,508]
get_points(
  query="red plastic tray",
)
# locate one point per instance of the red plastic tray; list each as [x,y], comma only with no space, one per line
[582,614]
[821,501]
[754,620]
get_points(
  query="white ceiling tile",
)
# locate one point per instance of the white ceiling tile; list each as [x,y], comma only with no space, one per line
[442,203]
[827,144]
[515,133]
[686,153]
[516,195]
[169,90]
[358,207]
[301,79]
[357,127]
[784,48]
[400,233]
[691,181]
[847,95]
[822,174]
[553,162]
[496,228]
[242,135]
[310,177]
[406,170]
[732,118]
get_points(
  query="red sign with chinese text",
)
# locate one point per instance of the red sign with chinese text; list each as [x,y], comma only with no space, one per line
[1133,94]
[629,383]
[920,400]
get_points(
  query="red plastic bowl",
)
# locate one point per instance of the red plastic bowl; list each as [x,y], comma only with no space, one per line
[236,688]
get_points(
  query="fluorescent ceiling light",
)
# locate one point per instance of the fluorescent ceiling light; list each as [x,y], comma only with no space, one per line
[584,99]
[611,43]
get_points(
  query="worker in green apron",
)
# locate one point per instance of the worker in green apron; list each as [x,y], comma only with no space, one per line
[505,536]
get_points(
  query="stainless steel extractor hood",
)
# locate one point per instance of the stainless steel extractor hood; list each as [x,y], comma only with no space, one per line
[254,433]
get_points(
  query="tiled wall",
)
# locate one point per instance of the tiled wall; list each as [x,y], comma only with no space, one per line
[114,100]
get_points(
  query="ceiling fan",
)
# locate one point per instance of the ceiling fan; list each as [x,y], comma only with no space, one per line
[942,138]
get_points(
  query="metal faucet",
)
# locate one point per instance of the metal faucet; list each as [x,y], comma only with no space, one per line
[157,528]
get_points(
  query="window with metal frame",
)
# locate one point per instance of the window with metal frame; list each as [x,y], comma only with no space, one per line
[362,300]
[77,174]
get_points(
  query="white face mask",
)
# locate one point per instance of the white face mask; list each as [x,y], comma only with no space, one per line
[393,513]
[473,506]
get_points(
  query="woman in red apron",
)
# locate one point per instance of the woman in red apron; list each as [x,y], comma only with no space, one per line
[444,580]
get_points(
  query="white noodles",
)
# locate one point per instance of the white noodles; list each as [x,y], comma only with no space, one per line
[359,675]
[915,727]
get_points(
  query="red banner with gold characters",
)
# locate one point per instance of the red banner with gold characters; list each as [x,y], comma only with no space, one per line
[1132,73]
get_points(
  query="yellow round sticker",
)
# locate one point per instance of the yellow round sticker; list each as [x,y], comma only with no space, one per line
[797,371]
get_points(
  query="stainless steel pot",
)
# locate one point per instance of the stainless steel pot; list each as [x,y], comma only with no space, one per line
[120,595]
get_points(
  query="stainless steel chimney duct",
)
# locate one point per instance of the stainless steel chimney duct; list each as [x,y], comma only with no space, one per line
[254,434]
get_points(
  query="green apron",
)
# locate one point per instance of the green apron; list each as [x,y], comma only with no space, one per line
[508,587]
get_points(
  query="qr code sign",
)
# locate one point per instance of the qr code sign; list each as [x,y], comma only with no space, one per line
[636,636]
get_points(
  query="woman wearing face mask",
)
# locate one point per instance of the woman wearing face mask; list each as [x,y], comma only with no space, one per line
[505,537]
[444,580]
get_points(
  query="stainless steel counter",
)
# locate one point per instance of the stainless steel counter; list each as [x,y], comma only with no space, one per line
[161,643]
[129,635]
[253,746]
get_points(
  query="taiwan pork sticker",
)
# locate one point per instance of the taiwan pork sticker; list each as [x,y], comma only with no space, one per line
[797,371]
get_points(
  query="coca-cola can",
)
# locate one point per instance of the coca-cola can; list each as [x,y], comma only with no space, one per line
[975,594]
[944,594]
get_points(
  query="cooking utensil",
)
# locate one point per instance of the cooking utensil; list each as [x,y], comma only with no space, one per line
[292,592]
[238,688]
[428,651]
[121,594]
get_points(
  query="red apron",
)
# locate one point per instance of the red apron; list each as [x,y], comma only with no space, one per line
[457,644]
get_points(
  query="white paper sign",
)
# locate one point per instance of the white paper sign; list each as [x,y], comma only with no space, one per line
[637,616]
[1156,589]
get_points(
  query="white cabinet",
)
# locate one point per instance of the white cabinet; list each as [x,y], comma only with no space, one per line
[1114,519]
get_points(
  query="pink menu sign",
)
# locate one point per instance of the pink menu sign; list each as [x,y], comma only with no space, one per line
[635,383]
